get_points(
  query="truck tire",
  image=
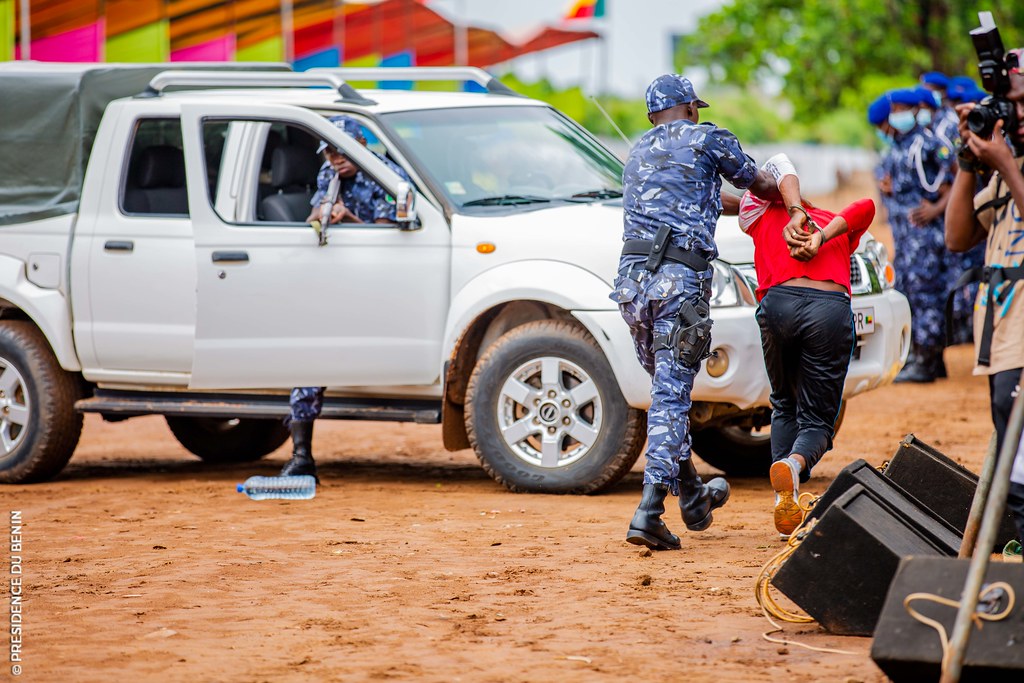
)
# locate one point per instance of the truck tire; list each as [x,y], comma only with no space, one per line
[737,451]
[741,451]
[544,412]
[39,427]
[226,440]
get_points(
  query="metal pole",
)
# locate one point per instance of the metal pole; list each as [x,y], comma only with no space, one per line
[26,30]
[988,469]
[461,36]
[288,30]
[994,508]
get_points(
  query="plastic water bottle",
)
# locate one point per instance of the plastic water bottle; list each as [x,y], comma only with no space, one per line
[298,487]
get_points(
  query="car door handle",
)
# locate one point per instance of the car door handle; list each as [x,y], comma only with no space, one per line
[230,257]
[119,245]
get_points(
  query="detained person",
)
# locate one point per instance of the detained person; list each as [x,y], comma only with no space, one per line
[802,257]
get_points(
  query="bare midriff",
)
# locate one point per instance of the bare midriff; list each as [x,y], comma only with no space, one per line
[823,285]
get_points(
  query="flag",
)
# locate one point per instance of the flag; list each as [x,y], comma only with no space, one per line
[586,9]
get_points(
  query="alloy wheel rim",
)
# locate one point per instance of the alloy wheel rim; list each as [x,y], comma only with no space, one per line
[550,412]
[14,407]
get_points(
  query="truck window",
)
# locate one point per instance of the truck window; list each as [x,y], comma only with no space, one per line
[155,181]
[288,173]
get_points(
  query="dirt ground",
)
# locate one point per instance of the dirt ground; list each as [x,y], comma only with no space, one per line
[143,564]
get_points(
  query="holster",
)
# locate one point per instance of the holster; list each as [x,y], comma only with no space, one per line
[690,336]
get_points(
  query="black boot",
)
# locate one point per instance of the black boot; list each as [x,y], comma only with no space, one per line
[939,364]
[698,500]
[647,528]
[921,369]
[302,451]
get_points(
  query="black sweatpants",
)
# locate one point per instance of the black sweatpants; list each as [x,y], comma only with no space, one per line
[808,339]
[1002,388]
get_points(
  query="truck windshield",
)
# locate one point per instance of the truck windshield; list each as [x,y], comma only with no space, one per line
[505,156]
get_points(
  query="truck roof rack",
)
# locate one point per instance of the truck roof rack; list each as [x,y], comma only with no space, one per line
[421,73]
[253,79]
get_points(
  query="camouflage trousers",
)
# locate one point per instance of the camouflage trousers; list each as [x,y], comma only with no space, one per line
[649,305]
[922,275]
[306,404]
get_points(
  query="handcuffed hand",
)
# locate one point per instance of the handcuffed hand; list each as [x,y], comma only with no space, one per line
[808,249]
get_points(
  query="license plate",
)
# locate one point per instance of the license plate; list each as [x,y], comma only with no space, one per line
[864,320]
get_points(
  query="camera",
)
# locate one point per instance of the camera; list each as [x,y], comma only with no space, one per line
[994,65]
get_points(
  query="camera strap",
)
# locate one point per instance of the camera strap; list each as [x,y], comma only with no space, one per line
[995,204]
[995,278]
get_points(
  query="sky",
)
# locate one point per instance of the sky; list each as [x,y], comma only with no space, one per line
[638,39]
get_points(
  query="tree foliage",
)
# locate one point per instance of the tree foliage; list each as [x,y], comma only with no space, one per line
[840,53]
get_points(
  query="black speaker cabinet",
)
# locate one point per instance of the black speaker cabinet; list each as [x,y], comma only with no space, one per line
[889,494]
[907,650]
[841,571]
[942,485]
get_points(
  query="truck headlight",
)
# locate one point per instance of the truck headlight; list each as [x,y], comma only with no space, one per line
[724,286]
[878,256]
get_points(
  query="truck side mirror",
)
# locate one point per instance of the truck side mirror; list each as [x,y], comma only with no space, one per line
[405,207]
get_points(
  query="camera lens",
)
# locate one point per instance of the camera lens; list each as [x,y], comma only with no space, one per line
[981,120]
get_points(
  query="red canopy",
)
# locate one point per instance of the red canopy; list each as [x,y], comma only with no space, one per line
[394,26]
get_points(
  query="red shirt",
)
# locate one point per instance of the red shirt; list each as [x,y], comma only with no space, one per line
[764,221]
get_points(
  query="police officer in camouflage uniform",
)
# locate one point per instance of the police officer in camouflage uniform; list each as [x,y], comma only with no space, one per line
[878,116]
[344,195]
[919,168]
[672,201]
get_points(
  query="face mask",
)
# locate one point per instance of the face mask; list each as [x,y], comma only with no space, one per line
[937,97]
[924,117]
[903,121]
[885,138]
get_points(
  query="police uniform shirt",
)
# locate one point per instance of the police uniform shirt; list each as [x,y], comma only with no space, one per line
[1004,247]
[362,195]
[674,177]
[918,165]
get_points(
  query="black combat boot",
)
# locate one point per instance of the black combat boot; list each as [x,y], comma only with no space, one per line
[302,450]
[698,500]
[922,368]
[647,528]
[939,366]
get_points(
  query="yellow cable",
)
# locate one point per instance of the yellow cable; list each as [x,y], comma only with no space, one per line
[762,585]
[977,617]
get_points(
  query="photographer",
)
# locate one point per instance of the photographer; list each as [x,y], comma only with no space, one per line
[995,216]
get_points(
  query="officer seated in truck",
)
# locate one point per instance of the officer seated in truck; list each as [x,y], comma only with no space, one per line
[344,193]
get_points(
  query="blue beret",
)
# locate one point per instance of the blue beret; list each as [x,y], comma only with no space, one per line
[345,124]
[965,83]
[974,95]
[936,78]
[926,96]
[671,90]
[907,96]
[878,111]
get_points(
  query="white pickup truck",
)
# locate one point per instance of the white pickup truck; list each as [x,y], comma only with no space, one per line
[159,263]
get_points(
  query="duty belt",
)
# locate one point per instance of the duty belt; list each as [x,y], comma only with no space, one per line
[658,250]
[993,276]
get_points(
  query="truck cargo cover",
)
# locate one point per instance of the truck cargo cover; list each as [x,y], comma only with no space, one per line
[49,114]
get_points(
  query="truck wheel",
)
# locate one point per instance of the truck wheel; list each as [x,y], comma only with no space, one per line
[39,427]
[741,451]
[544,412]
[226,440]
[737,451]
